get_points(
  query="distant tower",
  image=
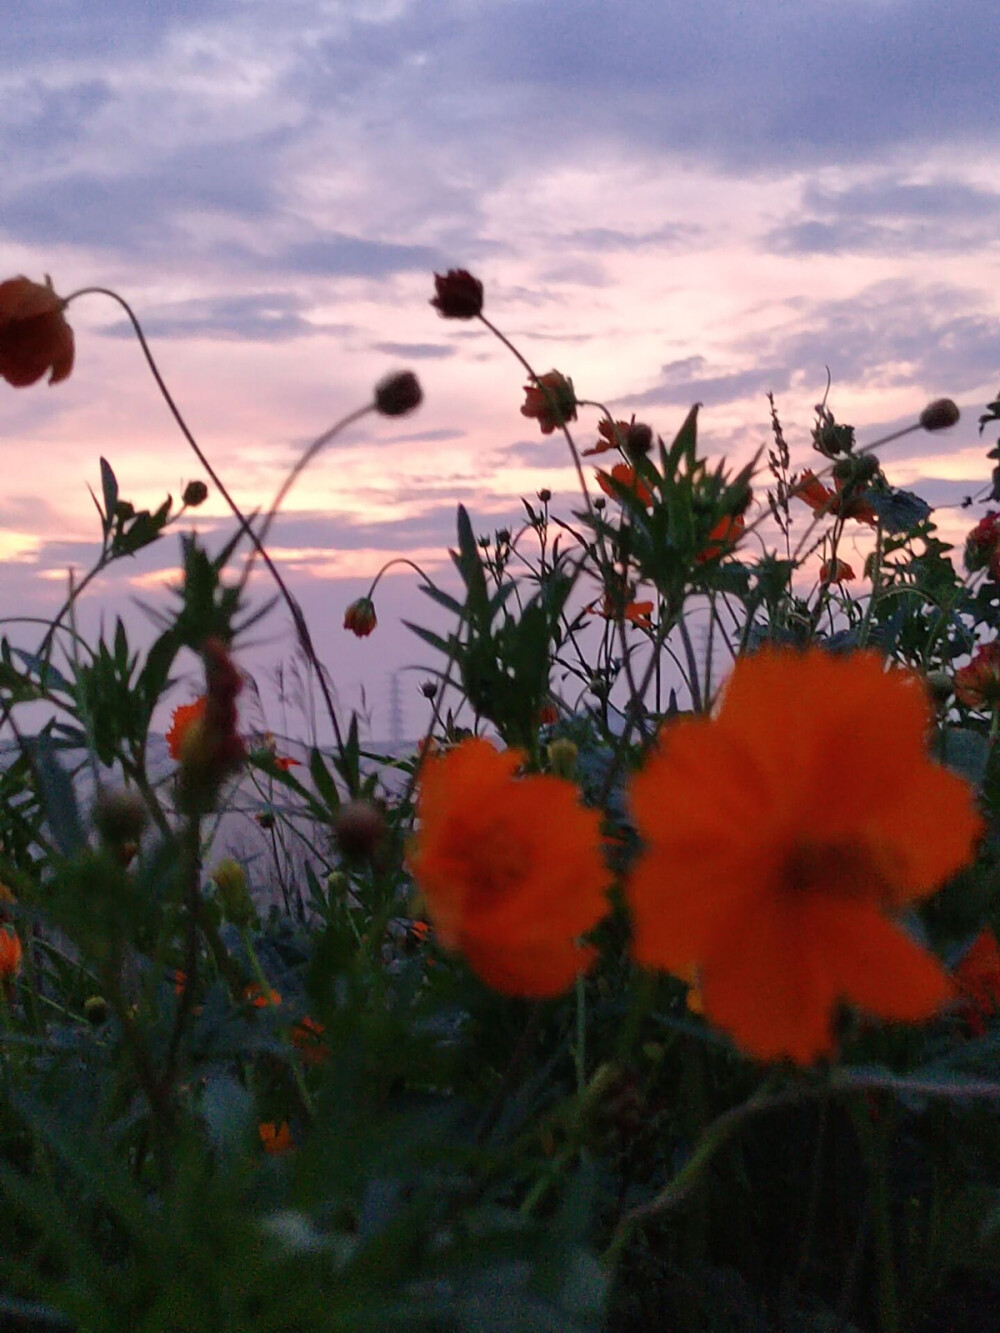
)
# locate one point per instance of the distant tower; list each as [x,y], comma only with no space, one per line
[395,710]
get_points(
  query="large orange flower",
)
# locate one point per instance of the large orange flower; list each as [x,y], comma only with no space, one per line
[821,500]
[510,868]
[34,335]
[626,475]
[182,720]
[779,836]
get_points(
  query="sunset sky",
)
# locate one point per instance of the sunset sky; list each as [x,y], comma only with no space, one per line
[668,203]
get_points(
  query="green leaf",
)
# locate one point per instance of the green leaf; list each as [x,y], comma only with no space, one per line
[58,798]
[109,485]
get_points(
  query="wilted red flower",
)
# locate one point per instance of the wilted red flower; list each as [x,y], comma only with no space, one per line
[510,868]
[613,435]
[551,401]
[778,895]
[10,953]
[459,294]
[625,474]
[182,720]
[978,979]
[723,537]
[277,1139]
[307,1038]
[839,572]
[982,546]
[34,335]
[978,684]
[360,617]
[821,499]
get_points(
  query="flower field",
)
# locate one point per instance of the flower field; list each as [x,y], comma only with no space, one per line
[646,993]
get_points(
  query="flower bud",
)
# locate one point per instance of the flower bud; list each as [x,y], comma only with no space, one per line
[120,817]
[562,756]
[940,686]
[195,493]
[95,1009]
[545,495]
[638,439]
[360,617]
[459,294]
[230,879]
[358,829]
[940,414]
[398,394]
[428,688]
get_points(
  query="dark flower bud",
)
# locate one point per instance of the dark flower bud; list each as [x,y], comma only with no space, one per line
[545,495]
[428,688]
[459,294]
[95,1009]
[941,687]
[195,493]
[638,439]
[398,394]
[939,415]
[358,829]
[120,817]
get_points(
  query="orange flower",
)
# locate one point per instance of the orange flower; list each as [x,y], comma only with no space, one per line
[723,537]
[510,868]
[978,684]
[282,762]
[307,1038]
[839,572]
[776,891]
[613,436]
[182,721]
[10,953]
[550,400]
[360,617]
[34,335]
[978,979]
[636,612]
[258,997]
[625,475]
[277,1139]
[821,499]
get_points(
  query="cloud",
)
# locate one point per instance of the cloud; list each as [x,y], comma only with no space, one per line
[254,317]
[415,351]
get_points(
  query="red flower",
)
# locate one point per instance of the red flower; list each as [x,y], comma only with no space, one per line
[551,401]
[978,684]
[978,979]
[182,720]
[360,617]
[637,613]
[459,294]
[839,572]
[821,500]
[510,868]
[34,335]
[613,436]
[277,1139]
[307,1038]
[282,762]
[10,953]
[259,997]
[625,475]
[722,538]
[982,546]
[781,898]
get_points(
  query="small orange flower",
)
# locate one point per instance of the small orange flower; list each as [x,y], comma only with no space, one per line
[838,572]
[780,896]
[638,613]
[360,617]
[34,335]
[978,684]
[551,401]
[722,538]
[10,953]
[978,979]
[821,500]
[613,436]
[259,998]
[277,1139]
[510,868]
[182,722]
[625,475]
[282,762]
[307,1038]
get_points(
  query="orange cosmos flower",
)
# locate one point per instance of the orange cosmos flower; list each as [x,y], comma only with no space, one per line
[978,979]
[978,684]
[550,400]
[258,997]
[838,572]
[360,617]
[34,335]
[638,613]
[779,836]
[723,537]
[182,721]
[625,475]
[510,868]
[277,1139]
[821,499]
[10,953]
[307,1038]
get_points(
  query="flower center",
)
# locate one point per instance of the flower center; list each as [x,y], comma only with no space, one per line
[838,869]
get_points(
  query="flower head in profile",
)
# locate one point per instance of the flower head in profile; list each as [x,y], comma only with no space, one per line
[626,476]
[34,336]
[360,617]
[10,953]
[978,684]
[550,401]
[510,868]
[183,721]
[722,538]
[836,571]
[781,897]
[821,500]
[458,294]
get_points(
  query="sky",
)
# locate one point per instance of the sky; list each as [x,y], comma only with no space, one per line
[668,202]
